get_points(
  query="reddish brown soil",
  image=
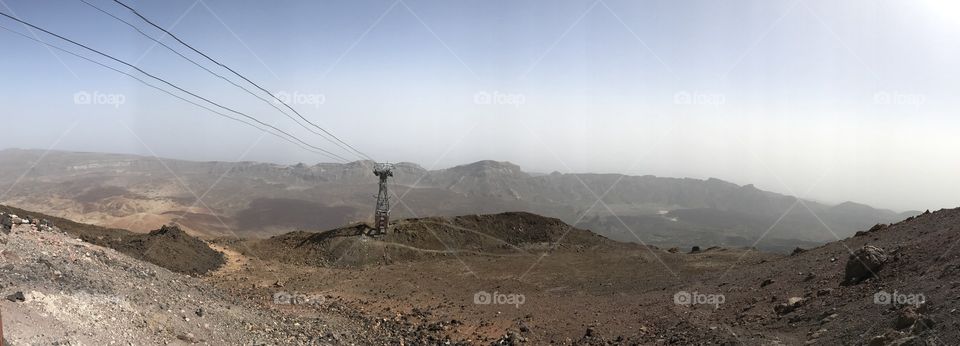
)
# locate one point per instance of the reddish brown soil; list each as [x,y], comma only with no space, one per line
[604,292]
[586,282]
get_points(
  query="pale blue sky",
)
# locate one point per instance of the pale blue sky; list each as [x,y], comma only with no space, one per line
[836,101]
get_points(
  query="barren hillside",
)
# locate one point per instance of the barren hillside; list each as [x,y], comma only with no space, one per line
[485,279]
[629,294]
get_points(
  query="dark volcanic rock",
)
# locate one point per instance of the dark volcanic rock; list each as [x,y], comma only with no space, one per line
[864,263]
[906,317]
[792,304]
[171,248]
[16,297]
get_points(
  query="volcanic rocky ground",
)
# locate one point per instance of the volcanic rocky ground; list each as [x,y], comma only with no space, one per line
[509,278]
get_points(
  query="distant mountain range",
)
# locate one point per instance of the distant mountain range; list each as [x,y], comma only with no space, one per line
[262,199]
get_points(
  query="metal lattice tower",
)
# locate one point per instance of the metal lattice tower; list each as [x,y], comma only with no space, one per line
[382,212]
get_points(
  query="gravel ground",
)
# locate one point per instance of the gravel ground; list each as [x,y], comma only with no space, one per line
[59,290]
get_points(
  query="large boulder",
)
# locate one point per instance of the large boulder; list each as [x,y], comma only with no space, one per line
[864,263]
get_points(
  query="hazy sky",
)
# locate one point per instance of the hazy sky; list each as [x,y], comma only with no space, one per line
[829,100]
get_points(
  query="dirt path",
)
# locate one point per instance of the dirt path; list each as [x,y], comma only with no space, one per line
[235,261]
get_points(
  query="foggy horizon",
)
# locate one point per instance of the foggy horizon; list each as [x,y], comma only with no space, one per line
[522,167]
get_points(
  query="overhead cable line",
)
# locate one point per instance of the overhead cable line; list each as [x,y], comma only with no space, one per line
[301,145]
[239,75]
[328,153]
[271,103]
